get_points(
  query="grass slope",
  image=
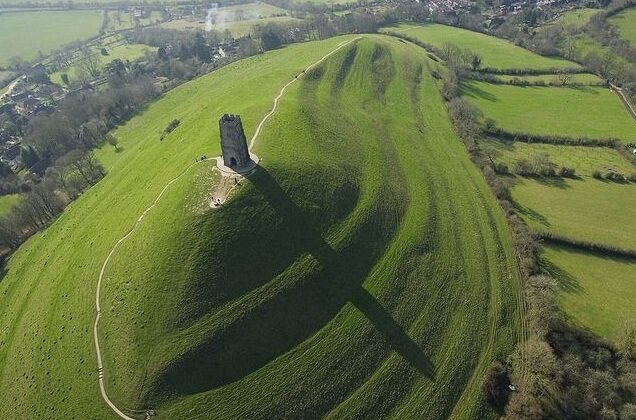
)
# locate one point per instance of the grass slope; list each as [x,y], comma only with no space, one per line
[596,292]
[364,270]
[592,112]
[588,209]
[24,34]
[357,290]
[625,23]
[495,52]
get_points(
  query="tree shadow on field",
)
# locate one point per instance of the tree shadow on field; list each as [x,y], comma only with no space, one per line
[533,214]
[566,281]
[303,304]
[469,89]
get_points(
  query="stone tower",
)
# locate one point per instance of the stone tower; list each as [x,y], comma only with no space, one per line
[233,143]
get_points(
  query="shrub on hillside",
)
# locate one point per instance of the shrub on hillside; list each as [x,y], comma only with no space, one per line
[615,177]
[566,172]
[632,177]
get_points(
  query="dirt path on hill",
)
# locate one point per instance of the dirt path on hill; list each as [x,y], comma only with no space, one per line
[224,188]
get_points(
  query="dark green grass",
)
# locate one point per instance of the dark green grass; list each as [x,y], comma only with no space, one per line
[353,275]
[363,271]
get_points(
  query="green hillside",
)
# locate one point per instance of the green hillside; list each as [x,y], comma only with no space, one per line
[364,270]
[495,52]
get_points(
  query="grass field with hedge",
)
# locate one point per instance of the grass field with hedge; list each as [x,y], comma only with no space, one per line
[591,112]
[596,291]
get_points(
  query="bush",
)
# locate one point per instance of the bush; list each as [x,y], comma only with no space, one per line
[566,172]
[494,389]
[597,174]
[501,168]
[632,177]
[615,177]
[170,128]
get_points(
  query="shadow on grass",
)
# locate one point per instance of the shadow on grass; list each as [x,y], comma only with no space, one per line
[470,89]
[567,282]
[532,214]
[308,295]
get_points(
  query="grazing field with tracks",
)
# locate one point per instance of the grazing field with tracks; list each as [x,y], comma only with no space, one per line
[592,112]
[495,52]
[597,291]
[363,270]
[26,34]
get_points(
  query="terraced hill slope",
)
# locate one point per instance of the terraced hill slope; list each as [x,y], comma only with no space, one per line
[363,270]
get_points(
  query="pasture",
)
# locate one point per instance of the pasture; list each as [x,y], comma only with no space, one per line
[495,52]
[596,292]
[625,22]
[585,160]
[8,201]
[589,209]
[577,17]
[124,52]
[238,28]
[592,112]
[26,34]
[377,286]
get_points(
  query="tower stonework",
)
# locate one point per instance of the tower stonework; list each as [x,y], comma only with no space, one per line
[236,155]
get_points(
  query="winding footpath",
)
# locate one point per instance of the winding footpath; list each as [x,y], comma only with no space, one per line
[98,350]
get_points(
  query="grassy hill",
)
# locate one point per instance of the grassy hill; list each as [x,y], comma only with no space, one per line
[592,112]
[363,270]
[495,52]
[24,34]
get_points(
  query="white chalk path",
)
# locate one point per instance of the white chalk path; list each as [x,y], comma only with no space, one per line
[98,350]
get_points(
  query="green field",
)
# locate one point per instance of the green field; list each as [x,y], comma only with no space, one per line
[379,286]
[8,201]
[585,160]
[588,209]
[577,17]
[578,78]
[495,52]
[239,19]
[237,28]
[596,292]
[592,112]
[124,52]
[625,22]
[26,34]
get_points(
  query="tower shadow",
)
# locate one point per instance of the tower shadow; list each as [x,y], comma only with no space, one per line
[303,304]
